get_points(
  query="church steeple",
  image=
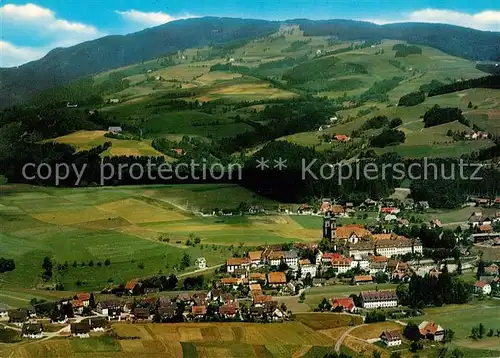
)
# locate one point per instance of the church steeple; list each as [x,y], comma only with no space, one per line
[329,225]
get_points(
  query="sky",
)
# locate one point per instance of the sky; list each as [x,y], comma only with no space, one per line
[28,30]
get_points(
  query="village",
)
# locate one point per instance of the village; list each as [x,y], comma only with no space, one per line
[258,286]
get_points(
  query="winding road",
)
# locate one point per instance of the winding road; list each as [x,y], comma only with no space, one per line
[344,335]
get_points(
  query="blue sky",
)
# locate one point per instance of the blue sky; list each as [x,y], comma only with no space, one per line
[30,29]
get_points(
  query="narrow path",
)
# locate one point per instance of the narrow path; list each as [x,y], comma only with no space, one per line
[169,203]
[199,270]
[344,335]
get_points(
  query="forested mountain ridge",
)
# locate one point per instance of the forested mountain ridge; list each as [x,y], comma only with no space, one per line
[457,41]
[65,64]
[62,65]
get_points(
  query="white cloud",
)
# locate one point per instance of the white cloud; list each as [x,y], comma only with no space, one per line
[42,18]
[39,27]
[11,55]
[486,20]
[150,18]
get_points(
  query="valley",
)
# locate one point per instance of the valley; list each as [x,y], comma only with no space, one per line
[270,263]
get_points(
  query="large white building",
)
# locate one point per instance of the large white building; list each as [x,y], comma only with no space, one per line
[396,246]
[310,268]
[379,299]
[237,263]
[291,259]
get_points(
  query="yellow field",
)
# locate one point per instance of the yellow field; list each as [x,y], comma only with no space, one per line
[212,77]
[375,330]
[69,217]
[248,333]
[85,140]
[182,72]
[363,347]
[137,211]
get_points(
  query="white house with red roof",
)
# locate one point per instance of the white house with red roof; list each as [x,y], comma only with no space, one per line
[482,287]
[347,304]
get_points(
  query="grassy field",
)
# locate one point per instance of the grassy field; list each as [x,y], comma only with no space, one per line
[461,319]
[83,227]
[326,321]
[84,140]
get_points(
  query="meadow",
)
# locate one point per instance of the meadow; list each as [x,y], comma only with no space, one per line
[85,140]
[81,228]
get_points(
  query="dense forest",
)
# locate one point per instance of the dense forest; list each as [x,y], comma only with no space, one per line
[457,41]
[412,99]
[437,115]
[62,65]
[482,82]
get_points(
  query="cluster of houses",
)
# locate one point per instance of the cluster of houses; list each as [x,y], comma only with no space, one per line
[476,135]
[388,210]
[358,241]
[213,305]
[489,282]
[429,330]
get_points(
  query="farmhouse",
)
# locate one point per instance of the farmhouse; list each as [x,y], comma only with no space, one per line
[341,264]
[32,330]
[345,304]
[110,308]
[431,331]
[391,338]
[308,269]
[276,279]
[113,100]
[342,138]
[337,210]
[260,299]
[256,277]
[237,263]
[422,205]
[132,286]
[362,280]
[198,311]
[388,210]
[377,267]
[379,299]
[305,209]
[3,310]
[255,258]
[18,317]
[275,258]
[80,330]
[84,297]
[233,281]
[167,312]
[255,287]
[477,219]
[141,313]
[201,263]
[77,306]
[482,287]
[98,324]
[228,311]
[115,129]
[492,270]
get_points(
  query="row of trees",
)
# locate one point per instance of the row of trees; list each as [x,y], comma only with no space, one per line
[432,291]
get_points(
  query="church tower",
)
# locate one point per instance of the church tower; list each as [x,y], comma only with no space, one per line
[329,226]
